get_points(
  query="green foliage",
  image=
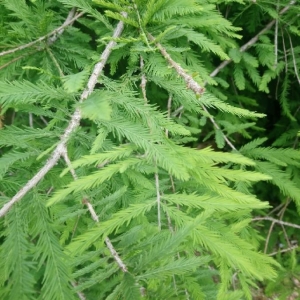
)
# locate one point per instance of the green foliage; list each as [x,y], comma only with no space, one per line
[157,187]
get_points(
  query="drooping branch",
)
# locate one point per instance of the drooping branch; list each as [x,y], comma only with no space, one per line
[73,124]
[52,36]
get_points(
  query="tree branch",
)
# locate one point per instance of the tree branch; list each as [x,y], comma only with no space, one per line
[191,84]
[73,124]
[115,255]
[69,21]
[53,35]
[158,200]
[276,221]
[283,250]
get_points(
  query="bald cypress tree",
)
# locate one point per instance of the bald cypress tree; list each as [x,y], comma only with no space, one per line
[139,139]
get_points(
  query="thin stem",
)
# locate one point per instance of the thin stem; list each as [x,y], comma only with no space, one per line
[294,59]
[158,200]
[72,126]
[169,107]
[276,221]
[217,127]
[143,80]
[140,23]
[71,18]
[284,250]
[286,236]
[30,120]
[44,120]
[68,162]
[284,51]
[268,237]
[16,59]
[61,74]
[276,40]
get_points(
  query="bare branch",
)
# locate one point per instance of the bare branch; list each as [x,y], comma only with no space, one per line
[284,250]
[276,39]
[80,295]
[68,162]
[69,21]
[169,107]
[268,237]
[276,221]
[73,124]
[53,35]
[218,127]
[91,210]
[294,59]
[115,255]
[143,80]
[33,181]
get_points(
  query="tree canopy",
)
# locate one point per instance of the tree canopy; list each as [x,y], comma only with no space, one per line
[149,149]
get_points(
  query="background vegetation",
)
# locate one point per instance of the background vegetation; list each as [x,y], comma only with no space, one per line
[149,149]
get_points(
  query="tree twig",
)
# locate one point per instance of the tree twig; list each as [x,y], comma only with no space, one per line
[53,35]
[72,16]
[284,250]
[73,124]
[143,80]
[80,295]
[294,59]
[276,221]
[158,200]
[16,59]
